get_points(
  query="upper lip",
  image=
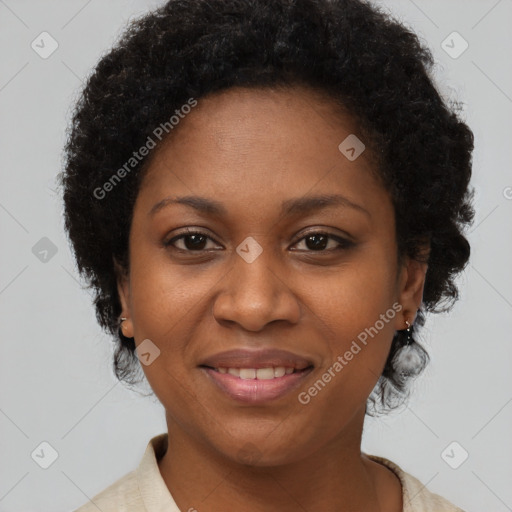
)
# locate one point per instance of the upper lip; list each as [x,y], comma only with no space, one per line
[244,358]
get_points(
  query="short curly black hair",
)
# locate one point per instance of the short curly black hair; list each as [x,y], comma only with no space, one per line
[351,51]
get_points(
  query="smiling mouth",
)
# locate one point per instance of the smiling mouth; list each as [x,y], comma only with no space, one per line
[256,386]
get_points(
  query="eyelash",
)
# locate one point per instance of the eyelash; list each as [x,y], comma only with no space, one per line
[344,243]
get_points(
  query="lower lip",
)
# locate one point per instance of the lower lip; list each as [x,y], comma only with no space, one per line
[256,391]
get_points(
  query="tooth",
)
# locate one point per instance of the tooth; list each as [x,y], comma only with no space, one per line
[279,371]
[247,373]
[234,371]
[265,373]
[260,373]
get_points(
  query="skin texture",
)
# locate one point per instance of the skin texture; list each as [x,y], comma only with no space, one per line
[251,150]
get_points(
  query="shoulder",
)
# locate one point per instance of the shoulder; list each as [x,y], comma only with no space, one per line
[140,490]
[117,497]
[416,497]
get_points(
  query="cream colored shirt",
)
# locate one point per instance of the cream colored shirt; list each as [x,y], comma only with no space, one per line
[144,490]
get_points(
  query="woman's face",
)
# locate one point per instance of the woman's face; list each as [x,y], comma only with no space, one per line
[296,254]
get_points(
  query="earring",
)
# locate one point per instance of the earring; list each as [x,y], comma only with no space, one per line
[121,320]
[408,338]
[407,359]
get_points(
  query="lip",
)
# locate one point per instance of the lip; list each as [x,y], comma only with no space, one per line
[255,391]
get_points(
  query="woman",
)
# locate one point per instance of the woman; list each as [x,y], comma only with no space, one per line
[266,198]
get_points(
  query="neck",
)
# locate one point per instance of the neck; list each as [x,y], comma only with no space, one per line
[333,479]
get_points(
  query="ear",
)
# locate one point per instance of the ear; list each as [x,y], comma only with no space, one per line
[411,283]
[123,290]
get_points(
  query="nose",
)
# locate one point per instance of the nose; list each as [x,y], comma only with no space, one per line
[254,295]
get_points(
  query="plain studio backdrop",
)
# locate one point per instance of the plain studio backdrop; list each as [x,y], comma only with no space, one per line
[59,396]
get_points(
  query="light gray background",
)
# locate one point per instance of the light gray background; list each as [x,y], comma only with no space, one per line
[55,363]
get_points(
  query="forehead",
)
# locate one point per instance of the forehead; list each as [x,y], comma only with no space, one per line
[244,144]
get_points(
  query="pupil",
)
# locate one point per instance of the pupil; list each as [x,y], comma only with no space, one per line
[315,246]
[197,240]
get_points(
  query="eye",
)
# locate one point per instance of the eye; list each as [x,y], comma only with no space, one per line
[319,242]
[193,241]
[196,241]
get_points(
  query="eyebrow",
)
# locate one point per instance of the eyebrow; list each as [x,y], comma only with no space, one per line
[299,206]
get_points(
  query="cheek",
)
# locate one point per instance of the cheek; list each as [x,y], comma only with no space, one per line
[164,294]
[356,308]
[162,304]
[170,306]
[358,319]
[353,297]
[165,309]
